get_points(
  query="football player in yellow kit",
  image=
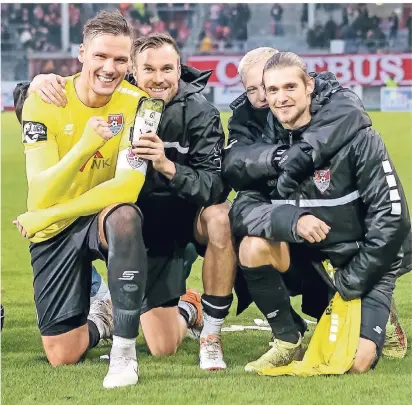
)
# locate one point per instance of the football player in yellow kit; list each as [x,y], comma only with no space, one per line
[83,181]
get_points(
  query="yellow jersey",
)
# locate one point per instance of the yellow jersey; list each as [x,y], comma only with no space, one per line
[66,159]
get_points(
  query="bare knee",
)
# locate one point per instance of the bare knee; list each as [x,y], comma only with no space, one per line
[162,330]
[216,221]
[365,356]
[163,348]
[59,353]
[60,357]
[255,252]
[162,344]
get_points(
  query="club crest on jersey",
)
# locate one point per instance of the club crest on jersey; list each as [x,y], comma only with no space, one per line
[322,179]
[134,161]
[116,123]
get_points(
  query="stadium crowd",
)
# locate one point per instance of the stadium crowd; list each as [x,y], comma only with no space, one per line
[225,28]
[37,27]
[363,32]
[174,18]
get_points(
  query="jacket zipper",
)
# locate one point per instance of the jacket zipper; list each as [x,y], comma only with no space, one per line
[298,189]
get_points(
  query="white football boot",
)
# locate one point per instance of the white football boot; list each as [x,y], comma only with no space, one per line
[211,353]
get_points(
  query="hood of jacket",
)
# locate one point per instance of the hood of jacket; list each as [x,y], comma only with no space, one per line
[191,81]
[245,115]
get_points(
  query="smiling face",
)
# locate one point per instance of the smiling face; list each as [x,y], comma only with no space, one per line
[105,59]
[157,72]
[252,80]
[289,95]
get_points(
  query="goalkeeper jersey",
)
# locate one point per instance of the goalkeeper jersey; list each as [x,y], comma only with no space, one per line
[50,133]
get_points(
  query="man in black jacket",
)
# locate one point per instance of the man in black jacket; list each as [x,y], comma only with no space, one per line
[347,206]
[182,200]
[244,165]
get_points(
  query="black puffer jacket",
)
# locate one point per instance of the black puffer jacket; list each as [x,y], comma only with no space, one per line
[357,193]
[193,136]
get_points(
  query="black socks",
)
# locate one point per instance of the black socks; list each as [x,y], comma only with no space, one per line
[271,296]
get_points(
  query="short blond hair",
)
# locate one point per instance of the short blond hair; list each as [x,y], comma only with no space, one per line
[254,56]
[107,22]
[285,60]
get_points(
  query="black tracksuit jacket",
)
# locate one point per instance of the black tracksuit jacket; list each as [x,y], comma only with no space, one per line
[358,193]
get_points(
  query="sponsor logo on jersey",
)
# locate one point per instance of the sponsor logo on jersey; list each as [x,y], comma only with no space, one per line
[34,132]
[134,161]
[116,123]
[98,162]
[322,179]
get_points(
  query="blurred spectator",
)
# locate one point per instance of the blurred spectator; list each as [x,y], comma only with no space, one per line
[76,35]
[26,37]
[15,14]
[277,13]
[409,27]
[173,31]
[360,24]
[304,17]
[158,24]
[226,42]
[48,67]
[238,32]
[375,40]
[394,26]
[38,12]
[330,31]
[390,81]
[206,38]
[206,44]
[6,44]
[184,34]
[345,16]
[64,70]
[316,36]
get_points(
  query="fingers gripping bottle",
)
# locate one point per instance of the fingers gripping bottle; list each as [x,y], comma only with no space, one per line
[148,116]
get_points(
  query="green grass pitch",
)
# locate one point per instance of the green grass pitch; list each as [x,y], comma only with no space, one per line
[27,379]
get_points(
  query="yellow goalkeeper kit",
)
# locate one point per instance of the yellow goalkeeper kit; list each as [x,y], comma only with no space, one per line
[71,171]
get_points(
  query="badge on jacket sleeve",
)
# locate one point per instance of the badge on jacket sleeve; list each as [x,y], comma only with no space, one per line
[322,179]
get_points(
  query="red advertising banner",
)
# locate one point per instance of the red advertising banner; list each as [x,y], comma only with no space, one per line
[364,70]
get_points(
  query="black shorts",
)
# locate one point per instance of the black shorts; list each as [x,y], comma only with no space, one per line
[303,279]
[166,229]
[166,280]
[62,275]
[62,270]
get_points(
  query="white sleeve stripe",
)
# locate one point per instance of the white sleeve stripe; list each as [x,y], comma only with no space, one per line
[394,195]
[396,209]
[387,166]
[391,180]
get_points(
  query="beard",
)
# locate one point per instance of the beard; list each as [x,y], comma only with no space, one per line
[291,117]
